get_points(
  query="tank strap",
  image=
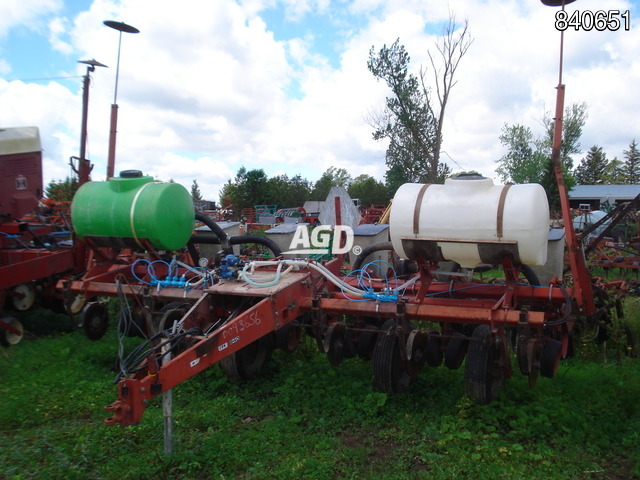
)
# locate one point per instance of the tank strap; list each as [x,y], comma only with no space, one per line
[501,202]
[418,206]
[132,211]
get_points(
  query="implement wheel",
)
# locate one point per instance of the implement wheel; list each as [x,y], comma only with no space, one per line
[484,371]
[390,372]
[247,363]
[550,358]
[94,320]
[456,350]
[11,331]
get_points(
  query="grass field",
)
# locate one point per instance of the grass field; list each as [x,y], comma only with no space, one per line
[305,419]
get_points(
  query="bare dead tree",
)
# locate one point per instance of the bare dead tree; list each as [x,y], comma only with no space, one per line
[411,122]
[451,46]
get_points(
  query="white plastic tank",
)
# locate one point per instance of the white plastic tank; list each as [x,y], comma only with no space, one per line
[470,220]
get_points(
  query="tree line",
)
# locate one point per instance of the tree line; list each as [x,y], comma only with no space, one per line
[528,157]
[253,187]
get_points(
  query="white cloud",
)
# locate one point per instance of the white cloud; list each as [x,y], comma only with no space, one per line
[24,12]
[209,86]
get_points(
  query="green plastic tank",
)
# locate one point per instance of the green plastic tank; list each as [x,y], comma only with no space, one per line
[130,210]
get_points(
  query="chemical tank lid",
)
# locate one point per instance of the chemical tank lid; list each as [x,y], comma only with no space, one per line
[557,3]
[469,176]
[130,173]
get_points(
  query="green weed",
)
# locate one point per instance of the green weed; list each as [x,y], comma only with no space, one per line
[304,419]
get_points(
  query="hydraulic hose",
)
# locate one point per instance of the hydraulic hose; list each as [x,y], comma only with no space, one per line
[215,228]
[240,240]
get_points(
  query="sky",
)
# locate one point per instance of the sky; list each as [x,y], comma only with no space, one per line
[209,86]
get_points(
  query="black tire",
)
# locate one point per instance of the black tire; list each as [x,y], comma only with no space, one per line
[95,320]
[456,350]
[433,350]
[288,337]
[367,342]
[390,374]
[246,363]
[484,371]
[550,358]
[131,323]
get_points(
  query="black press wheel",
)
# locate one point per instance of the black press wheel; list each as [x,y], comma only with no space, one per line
[94,320]
[246,363]
[456,350]
[550,358]
[484,371]
[366,341]
[390,372]
[433,349]
[288,337]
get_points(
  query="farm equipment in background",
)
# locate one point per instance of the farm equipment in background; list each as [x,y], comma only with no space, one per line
[34,252]
[372,214]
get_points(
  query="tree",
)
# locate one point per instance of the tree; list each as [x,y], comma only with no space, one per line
[631,167]
[411,122]
[195,191]
[288,192]
[527,155]
[574,119]
[614,174]
[520,164]
[247,189]
[369,190]
[394,178]
[332,177]
[592,169]
[62,190]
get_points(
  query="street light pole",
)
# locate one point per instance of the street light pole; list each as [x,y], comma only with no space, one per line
[84,166]
[111,160]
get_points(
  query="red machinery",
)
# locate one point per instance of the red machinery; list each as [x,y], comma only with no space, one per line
[235,311]
[30,253]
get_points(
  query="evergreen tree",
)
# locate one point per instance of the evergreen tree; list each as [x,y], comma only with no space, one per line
[593,168]
[195,191]
[62,190]
[631,167]
[614,174]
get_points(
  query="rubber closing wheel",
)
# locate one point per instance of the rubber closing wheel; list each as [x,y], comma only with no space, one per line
[94,320]
[288,337]
[550,358]
[246,363]
[390,374]
[366,341]
[433,349]
[484,371]
[455,351]
[11,331]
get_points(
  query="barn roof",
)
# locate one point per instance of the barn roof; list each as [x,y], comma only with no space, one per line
[603,192]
